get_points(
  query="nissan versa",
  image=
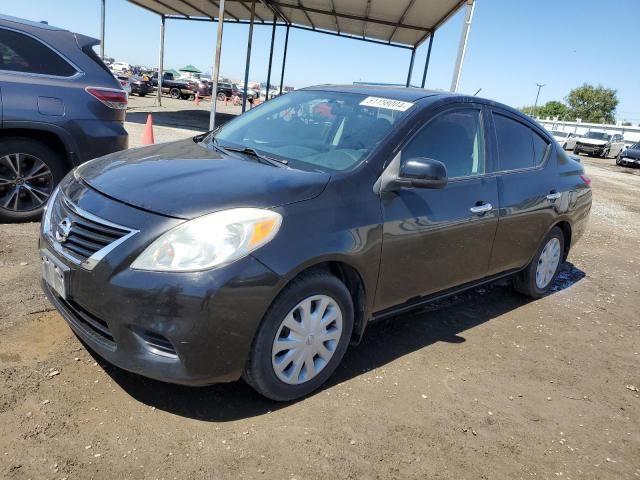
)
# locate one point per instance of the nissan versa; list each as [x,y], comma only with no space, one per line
[264,248]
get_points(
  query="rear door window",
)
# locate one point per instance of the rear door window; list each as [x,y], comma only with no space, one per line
[518,145]
[21,53]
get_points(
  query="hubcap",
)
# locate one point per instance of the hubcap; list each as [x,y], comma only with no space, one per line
[25,182]
[307,339]
[548,263]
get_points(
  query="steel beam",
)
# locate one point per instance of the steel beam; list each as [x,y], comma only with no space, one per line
[404,14]
[413,57]
[216,68]
[426,63]
[349,16]
[284,59]
[464,38]
[273,38]
[246,69]
[161,59]
[102,20]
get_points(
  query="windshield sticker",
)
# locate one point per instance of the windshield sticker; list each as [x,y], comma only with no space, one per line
[386,103]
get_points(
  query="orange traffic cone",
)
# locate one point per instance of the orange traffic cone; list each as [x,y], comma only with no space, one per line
[147,139]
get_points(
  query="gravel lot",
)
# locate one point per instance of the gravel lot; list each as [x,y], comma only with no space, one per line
[486,385]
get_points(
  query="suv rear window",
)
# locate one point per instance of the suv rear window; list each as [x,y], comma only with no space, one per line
[21,53]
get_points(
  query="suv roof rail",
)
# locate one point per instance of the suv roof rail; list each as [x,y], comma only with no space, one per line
[22,21]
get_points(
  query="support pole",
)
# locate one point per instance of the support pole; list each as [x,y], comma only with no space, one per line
[426,63]
[413,57]
[215,74]
[284,59]
[161,59]
[273,38]
[102,20]
[246,69]
[468,17]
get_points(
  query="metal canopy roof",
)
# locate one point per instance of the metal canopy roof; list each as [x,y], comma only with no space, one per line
[396,22]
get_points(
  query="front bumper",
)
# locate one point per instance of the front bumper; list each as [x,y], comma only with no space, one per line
[185,328]
[593,149]
[630,161]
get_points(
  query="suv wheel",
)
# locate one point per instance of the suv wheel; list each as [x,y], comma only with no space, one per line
[221,96]
[536,280]
[29,171]
[175,93]
[302,338]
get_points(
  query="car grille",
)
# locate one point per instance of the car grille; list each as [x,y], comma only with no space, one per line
[80,235]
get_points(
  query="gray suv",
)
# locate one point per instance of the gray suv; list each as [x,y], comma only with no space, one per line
[59,106]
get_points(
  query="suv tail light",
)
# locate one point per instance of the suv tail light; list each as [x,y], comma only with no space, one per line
[586,180]
[111,97]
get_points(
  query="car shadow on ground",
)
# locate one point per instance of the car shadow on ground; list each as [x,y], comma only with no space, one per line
[384,342]
[188,119]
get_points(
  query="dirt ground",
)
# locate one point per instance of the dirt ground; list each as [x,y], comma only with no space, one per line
[486,385]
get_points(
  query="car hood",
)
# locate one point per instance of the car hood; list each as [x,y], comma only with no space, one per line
[631,153]
[592,141]
[185,180]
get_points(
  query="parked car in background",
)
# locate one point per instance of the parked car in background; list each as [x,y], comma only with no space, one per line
[175,88]
[120,67]
[139,86]
[263,249]
[599,143]
[124,81]
[61,106]
[565,139]
[629,156]
[226,90]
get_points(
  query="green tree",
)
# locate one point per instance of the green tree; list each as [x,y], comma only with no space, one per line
[551,109]
[593,104]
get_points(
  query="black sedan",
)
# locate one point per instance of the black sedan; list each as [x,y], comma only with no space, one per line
[140,86]
[264,248]
[629,156]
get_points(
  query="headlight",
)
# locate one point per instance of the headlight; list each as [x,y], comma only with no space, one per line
[210,241]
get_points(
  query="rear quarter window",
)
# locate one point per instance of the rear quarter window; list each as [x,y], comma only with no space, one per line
[21,53]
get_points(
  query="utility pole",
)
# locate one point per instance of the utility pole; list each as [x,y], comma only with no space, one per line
[535,105]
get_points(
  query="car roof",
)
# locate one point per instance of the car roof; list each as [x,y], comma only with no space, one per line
[392,92]
[29,23]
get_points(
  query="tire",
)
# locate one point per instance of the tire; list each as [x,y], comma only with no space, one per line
[141,94]
[221,96]
[175,93]
[576,151]
[618,162]
[24,201]
[605,154]
[260,370]
[526,282]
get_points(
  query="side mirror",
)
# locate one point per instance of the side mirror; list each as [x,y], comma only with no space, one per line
[422,172]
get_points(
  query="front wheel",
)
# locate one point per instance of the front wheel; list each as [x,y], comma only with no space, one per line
[302,338]
[175,93]
[536,280]
[29,171]
[576,151]
[221,96]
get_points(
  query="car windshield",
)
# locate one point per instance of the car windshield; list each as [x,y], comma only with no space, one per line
[557,133]
[315,130]
[635,146]
[598,136]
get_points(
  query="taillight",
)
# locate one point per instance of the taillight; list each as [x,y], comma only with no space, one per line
[586,180]
[111,97]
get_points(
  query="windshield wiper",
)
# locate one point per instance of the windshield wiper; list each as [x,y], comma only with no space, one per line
[274,162]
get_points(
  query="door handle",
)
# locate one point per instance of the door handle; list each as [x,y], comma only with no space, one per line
[485,207]
[554,196]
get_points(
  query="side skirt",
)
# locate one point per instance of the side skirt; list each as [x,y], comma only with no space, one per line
[421,301]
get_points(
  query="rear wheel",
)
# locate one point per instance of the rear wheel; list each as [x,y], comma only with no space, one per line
[576,151]
[536,280]
[175,93]
[29,171]
[302,338]
[221,96]
[141,94]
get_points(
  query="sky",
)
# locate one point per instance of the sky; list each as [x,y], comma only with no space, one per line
[513,44]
